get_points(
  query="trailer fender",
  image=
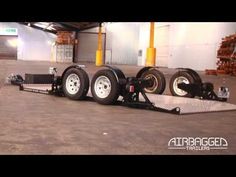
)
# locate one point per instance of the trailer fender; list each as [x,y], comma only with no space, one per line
[194,74]
[72,66]
[120,77]
[144,69]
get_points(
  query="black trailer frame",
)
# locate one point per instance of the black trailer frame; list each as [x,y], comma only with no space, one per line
[132,87]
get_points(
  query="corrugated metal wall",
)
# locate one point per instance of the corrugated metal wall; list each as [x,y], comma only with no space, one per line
[87,46]
[122,43]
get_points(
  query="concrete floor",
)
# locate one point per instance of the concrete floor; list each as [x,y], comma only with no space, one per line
[41,124]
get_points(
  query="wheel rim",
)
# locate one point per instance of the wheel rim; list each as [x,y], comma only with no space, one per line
[72,84]
[102,87]
[177,81]
[155,83]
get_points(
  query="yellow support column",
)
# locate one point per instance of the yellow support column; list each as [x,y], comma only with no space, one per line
[151,51]
[99,60]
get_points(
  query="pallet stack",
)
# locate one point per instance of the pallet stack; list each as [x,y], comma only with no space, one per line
[64,37]
[227,56]
[63,50]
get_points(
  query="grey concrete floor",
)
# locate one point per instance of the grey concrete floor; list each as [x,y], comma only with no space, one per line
[41,124]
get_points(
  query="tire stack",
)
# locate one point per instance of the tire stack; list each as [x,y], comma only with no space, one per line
[227,56]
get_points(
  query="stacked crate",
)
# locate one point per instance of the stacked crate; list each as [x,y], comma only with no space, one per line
[227,56]
[63,50]
[64,37]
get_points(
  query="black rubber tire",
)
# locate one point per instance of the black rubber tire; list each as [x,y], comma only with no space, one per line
[185,74]
[195,75]
[159,80]
[115,87]
[84,84]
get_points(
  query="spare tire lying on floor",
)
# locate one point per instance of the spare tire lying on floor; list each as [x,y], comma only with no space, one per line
[75,84]
[104,87]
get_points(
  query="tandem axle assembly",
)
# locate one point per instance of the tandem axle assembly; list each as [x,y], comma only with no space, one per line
[110,82]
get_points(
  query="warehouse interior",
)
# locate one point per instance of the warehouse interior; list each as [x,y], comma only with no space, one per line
[33,123]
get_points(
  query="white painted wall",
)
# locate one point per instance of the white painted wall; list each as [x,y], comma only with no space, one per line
[122,41]
[193,45]
[161,43]
[33,44]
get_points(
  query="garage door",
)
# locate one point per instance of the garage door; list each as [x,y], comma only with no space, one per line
[162,45]
[87,46]
[8,47]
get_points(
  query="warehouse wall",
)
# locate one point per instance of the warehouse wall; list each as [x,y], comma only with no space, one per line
[192,45]
[161,43]
[33,44]
[87,46]
[195,45]
[121,42]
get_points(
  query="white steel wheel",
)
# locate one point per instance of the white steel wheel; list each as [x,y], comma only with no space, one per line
[177,81]
[102,87]
[73,84]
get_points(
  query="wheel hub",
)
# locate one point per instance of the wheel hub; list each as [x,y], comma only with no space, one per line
[72,84]
[102,87]
[154,83]
[177,81]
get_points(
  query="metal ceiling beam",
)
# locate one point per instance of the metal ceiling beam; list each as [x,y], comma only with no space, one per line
[65,25]
[92,25]
[36,27]
[82,26]
[72,24]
